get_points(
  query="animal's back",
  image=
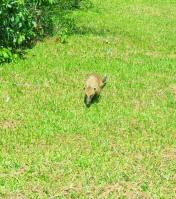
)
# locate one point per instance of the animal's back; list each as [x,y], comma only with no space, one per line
[94,81]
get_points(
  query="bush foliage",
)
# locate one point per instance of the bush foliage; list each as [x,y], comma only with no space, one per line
[23,21]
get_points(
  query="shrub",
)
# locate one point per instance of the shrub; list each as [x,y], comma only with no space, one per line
[20,23]
[24,21]
[6,55]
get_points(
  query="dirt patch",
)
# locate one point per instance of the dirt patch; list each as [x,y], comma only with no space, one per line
[20,172]
[126,189]
[9,124]
[169,154]
[173,90]
[16,196]
[146,10]
[156,54]
[138,106]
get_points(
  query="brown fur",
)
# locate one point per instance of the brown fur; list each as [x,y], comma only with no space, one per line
[93,86]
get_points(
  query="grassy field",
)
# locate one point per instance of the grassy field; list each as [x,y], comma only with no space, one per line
[124,146]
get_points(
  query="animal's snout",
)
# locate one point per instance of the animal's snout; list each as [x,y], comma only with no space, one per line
[88,100]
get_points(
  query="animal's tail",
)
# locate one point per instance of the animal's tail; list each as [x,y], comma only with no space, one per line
[105,79]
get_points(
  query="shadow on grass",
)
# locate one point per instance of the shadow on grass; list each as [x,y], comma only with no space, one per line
[95,100]
[83,30]
[104,31]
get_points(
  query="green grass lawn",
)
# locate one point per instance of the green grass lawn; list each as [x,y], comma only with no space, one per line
[124,146]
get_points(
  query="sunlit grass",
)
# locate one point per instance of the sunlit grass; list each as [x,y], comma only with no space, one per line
[123,146]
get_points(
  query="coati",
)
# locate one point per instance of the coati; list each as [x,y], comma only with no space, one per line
[93,86]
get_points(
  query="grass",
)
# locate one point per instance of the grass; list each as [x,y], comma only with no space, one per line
[124,146]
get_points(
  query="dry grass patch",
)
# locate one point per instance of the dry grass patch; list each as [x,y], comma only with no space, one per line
[10,124]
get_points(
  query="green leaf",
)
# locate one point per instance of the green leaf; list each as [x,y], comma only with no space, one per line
[21,39]
[34,23]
